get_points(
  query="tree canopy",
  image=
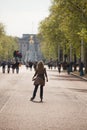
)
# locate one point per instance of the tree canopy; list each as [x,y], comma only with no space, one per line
[7,44]
[65,26]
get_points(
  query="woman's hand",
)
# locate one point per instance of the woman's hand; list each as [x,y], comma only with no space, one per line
[47,79]
[33,79]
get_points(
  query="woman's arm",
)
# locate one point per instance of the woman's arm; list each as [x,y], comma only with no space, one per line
[46,75]
[34,75]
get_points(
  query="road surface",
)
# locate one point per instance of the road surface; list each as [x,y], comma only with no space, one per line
[64,105]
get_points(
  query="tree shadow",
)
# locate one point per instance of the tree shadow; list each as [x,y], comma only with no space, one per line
[79,90]
[66,77]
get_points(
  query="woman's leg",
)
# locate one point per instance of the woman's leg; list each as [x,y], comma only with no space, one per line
[34,92]
[41,93]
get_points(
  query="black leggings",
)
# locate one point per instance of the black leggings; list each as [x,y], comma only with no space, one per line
[35,91]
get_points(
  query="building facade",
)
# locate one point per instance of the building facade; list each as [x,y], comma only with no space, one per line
[29,47]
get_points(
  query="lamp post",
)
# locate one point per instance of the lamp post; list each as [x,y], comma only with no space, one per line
[82,51]
[59,53]
[70,52]
[82,42]
[70,58]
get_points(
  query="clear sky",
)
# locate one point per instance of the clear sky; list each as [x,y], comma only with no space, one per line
[23,16]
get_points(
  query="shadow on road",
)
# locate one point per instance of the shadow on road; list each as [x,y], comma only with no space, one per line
[66,77]
[79,90]
[37,102]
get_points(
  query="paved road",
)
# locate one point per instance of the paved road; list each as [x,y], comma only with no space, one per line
[64,106]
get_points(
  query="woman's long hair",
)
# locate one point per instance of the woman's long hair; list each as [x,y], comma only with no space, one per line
[40,66]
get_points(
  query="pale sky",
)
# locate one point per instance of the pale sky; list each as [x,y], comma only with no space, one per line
[23,16]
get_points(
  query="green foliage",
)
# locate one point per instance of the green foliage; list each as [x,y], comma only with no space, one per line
[7,45]
[65,26]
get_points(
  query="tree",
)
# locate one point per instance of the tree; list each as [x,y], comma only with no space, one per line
[7,44]
[65,26]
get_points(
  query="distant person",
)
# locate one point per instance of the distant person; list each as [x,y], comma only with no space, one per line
[35,65]
[39,79]
[81,66]
[13,66]
[17,66]
[3,64]
[68,68]
[59,68]
[8,66]
[30,65]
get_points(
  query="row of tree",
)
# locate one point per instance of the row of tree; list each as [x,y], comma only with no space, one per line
[7,44]
[65,27]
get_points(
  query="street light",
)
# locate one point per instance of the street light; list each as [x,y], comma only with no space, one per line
[82,42]
[58,52]
[82,51]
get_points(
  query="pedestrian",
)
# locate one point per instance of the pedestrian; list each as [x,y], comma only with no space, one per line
[13,66]
[39,79]
[68,68]
[35,65]
[3,64]
[30,65]
[17,66]
[59,68]
[81,66]
[8,66]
